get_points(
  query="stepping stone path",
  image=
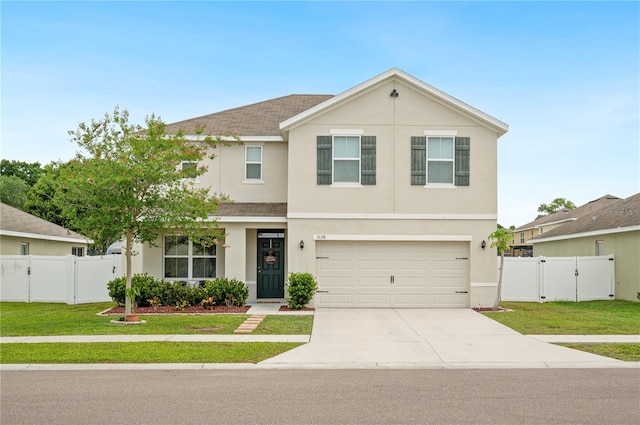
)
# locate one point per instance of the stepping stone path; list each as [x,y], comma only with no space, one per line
[250,324]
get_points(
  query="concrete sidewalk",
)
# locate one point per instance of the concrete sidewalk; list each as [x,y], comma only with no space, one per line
[383,338]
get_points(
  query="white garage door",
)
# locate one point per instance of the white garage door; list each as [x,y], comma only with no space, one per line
[392,274]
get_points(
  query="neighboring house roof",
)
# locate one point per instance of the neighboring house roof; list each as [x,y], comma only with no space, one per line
[565,215]
[258,119]
[14,222]
[467,110]
[619,216]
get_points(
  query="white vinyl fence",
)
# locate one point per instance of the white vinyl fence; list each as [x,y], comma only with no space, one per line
[65,279]
[543,279]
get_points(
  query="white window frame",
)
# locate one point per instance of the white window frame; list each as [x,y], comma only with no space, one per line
[190,256]
[78,251]
[24,248]
[521,237]
[247,162]
[600,247]
[187,163]
[452,161]
[334,159]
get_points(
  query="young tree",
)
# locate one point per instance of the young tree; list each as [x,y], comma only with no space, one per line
[555,205]
[502,241]
[130,185]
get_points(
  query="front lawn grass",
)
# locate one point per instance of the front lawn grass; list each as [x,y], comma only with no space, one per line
[142,352]
[625,352]
[571,318]
[36,319]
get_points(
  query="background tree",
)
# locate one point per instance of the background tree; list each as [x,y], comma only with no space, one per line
[13,191]
[29,172]
[130,184]
[555,205]
[502,241]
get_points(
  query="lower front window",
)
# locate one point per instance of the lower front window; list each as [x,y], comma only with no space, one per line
[185,258]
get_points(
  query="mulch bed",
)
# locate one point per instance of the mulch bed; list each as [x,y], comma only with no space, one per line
[286,308]
[485,309]
[168,309]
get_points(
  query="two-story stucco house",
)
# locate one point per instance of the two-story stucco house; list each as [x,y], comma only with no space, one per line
[384,192]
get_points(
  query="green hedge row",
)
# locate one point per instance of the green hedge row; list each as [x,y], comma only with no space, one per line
[221,290]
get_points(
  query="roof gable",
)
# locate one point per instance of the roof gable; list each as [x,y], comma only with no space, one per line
[395,73]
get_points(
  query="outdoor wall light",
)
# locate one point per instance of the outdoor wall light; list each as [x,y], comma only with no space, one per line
[483,245]
[394,93]
[301,244]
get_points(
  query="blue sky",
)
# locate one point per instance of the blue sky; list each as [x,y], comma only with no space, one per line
[565,76]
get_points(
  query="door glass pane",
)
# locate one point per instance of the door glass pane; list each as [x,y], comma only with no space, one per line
[176,267]
[253,171]
[440,172]
[204,267]
[176,245]
[346,171]
[440,148]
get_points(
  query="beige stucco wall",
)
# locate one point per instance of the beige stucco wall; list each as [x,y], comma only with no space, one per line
[625,246]
[444,212]
[226,173]
[393,121]
[10,245]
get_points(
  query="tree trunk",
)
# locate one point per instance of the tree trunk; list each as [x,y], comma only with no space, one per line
[128,304]
[497,301]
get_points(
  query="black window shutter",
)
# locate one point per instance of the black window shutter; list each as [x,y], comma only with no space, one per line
[324,159]
[463,145]
[418,160]
[368,158]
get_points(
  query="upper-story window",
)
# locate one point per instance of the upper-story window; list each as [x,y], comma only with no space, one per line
[521,237]
[253,162]
[440,160]
[346,159]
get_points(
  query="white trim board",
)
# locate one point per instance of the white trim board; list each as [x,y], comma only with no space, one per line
[391,216]
[43,237]
[248,139]
[398,238]
[586,234]
[244,219]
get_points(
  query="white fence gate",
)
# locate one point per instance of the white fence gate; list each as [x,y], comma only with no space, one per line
[65,279]
[543,279]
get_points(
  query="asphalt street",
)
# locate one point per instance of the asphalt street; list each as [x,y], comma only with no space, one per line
[470,396]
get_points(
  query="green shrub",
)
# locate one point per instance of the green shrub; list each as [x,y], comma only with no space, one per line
[144,287]
[180,293]
[301,287]
[225,291]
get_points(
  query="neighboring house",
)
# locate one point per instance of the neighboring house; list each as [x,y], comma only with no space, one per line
[384,192]
[613,229]
[522,247]
[24,234]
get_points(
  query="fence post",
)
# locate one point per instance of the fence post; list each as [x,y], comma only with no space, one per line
[541,262]
[71,279]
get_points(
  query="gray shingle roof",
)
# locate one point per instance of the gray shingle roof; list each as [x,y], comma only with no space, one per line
[15,220]
[258,119]
[618,214]
[568,215]
[252,209]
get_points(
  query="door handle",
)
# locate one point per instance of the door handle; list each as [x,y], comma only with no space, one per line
[259,270]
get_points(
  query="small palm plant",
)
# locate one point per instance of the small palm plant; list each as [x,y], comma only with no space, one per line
[502,241]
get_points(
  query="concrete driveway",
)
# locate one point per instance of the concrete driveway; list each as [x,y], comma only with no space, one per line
[420,338]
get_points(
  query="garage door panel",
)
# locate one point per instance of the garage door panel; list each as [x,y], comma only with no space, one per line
[373,299]
[393,274]
[363,282]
